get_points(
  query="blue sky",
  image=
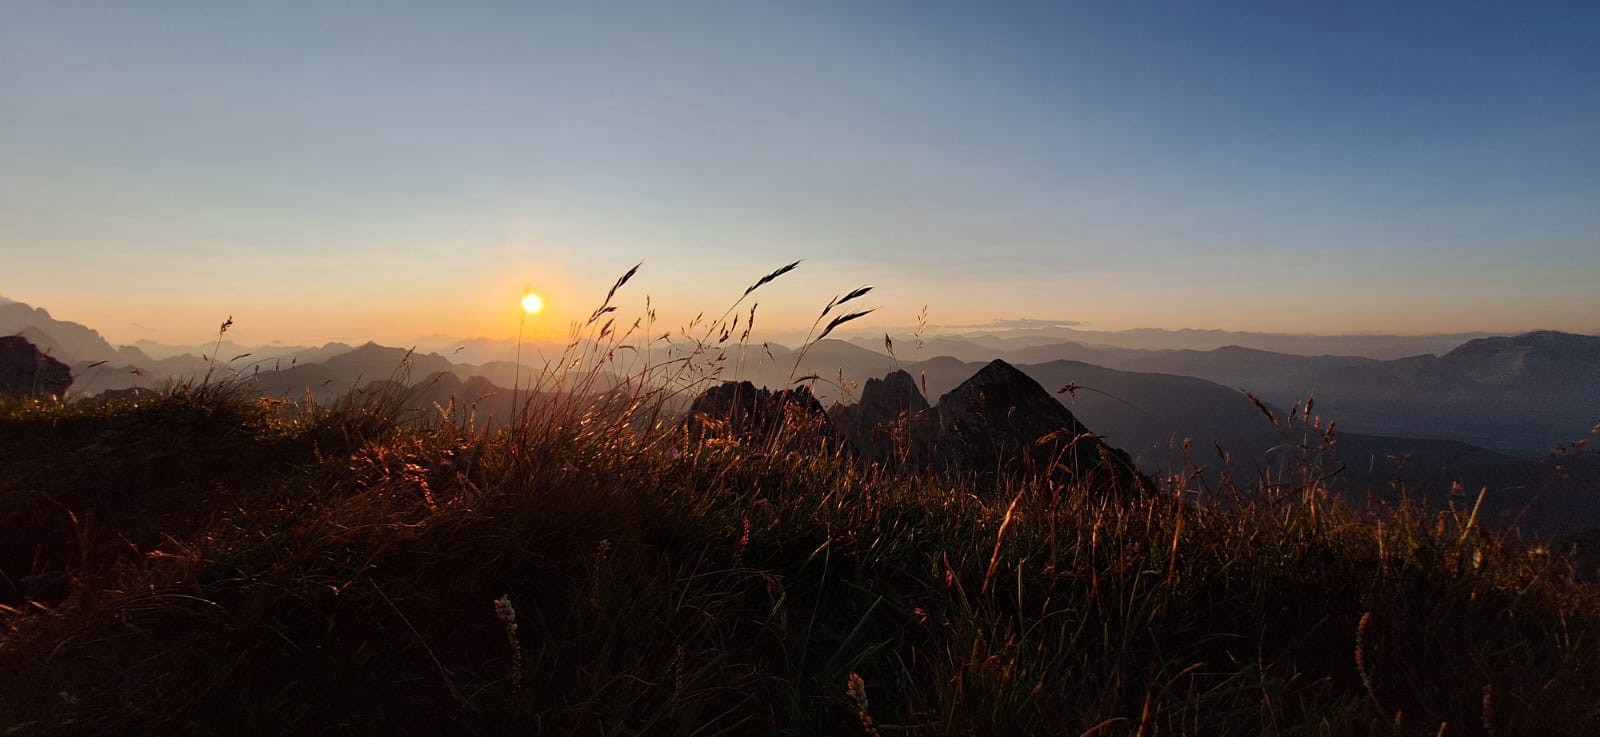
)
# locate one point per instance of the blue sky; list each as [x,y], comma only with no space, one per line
[387,170]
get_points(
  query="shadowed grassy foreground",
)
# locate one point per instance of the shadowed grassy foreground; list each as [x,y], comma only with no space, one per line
[337,571]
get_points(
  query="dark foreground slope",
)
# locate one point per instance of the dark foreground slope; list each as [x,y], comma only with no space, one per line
[341,575]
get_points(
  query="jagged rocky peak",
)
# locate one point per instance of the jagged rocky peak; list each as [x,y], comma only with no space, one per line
[27,372]
[891,396]
[759,412]
[891,422]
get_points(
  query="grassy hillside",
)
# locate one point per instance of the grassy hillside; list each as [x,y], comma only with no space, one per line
[202,563]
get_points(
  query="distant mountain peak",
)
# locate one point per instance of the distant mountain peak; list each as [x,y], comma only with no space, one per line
[69,339]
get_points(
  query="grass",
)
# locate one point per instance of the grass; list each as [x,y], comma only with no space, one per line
[256,568]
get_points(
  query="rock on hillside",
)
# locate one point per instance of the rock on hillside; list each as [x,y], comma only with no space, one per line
[1001,417]
[758,413]
[27,372]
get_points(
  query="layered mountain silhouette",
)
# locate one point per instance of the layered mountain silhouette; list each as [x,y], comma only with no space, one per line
[1520,394]
[68,342]
[345,371]
[257,354]
[99,366]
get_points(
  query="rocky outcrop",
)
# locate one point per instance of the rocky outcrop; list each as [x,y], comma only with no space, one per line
[998,422]
[26,372]
[743,410]
[892,396]
[1003,421]
[892,423]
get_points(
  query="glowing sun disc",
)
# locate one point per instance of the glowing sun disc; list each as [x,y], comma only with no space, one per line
[531,303]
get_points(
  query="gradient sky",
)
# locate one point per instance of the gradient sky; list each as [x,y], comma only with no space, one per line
[354,170]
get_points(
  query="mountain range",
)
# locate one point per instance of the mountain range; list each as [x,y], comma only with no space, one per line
[1520,394]
[1488,407]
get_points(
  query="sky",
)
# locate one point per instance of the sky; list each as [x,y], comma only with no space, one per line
[363,170]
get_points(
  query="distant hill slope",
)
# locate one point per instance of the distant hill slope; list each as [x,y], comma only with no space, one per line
[340,373]
[1525,393]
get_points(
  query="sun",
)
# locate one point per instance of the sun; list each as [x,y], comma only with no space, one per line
[531,303]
